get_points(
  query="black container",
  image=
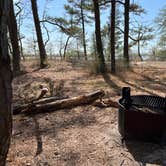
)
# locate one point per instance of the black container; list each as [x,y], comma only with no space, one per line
[142,117]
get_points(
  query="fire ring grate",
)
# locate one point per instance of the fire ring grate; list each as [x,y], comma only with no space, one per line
[156,103]
[141,116]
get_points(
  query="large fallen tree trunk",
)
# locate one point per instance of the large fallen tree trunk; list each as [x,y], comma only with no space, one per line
[38,107]
[18,108]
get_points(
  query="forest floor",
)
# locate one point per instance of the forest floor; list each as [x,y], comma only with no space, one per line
[84,135]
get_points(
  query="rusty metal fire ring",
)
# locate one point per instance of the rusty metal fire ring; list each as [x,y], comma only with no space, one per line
[141,116]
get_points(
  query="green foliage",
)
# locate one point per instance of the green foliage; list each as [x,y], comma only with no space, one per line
[93,67]
[71,54]
[137,9]
[161,55]
[161,20]
[70,10]
[162,41]
[77,6]
[105,32]
[141,33]
[67,26]
[81,16]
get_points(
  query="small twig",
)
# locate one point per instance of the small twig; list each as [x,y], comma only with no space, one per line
[122,162]
[106,103]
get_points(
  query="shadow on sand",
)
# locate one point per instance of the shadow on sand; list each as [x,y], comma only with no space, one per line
[147,152]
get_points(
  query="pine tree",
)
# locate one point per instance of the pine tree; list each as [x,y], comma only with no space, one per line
[101,59]
[5,85]
[42,51]
[12,23]
[81,8]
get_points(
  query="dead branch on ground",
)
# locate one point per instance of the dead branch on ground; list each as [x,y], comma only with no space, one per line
[52,104]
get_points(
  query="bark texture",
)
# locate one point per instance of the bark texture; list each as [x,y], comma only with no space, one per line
[14,39]
[126,33]
[98,37]
[83,29]
[112,35]
[53,105]
[5,85]
[42,51]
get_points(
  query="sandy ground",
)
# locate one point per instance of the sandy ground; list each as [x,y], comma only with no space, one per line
[86,135]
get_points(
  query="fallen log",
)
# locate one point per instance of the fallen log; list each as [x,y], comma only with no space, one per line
[61,104]
[18,108]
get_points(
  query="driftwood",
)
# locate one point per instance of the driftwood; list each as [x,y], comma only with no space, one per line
[52,105]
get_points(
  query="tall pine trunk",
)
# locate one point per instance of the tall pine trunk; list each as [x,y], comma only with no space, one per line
[83,30]
[42,51]
[112,35]
[139,52]
[99,46]
[5,85]
[126,32]
[12,23]
[65,49]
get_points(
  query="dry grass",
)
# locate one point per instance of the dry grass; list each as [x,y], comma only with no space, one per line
[82,136]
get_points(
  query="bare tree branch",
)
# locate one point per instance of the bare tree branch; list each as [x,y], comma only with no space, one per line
[136,40]
[54,23]
[20,9]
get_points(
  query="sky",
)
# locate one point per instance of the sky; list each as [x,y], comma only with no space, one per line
[152,7]
[55,8]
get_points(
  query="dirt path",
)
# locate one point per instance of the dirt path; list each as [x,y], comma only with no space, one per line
[82,136]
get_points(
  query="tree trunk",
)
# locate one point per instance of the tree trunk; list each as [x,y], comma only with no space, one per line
[14,39]
[5,85]
[83,30]
[138,46]
[139,52]
[42,51]
[20,40]
[126,33]
[94,47]
[21,47]
[78,52]
[66,44]
[101,59]
[112,35]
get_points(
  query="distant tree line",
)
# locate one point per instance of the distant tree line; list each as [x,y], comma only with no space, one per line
[122,31]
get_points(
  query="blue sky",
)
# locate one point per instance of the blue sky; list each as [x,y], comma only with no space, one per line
[151,6]
[55,8]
